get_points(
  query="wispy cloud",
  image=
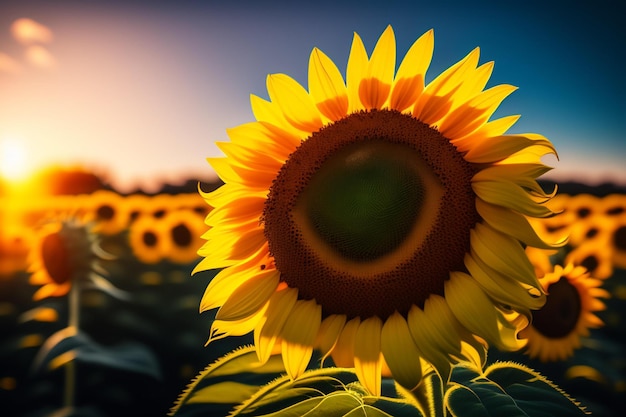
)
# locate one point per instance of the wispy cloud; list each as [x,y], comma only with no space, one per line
[27,31]
[34,37]
[40,57]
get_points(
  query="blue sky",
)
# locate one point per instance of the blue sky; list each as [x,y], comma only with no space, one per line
[143,89]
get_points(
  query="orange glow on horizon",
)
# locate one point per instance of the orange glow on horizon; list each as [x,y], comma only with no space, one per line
[13,160]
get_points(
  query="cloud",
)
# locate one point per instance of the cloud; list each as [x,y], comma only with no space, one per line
[8,64]
[27,32]
[40,57]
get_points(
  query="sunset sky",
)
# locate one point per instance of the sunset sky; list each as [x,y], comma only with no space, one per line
[141,90]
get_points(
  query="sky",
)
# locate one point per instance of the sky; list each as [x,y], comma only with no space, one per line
[142,90]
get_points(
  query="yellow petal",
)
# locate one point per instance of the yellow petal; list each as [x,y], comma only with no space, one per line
[343,352]
[490,129]
[503,289]
[508,194]
[400,352]
[435,337]
[514,224]
[249,296]
[223,328]
[262,135]
[294,102]
[502,253]
[500,147]
[327,87]
[228,279]
[471,115]
[367,363]
[436,100]
[270,113]
[355,72]
[408,83]
[375,86]
[473,308]
[271,325]
[329,332]
[298,336]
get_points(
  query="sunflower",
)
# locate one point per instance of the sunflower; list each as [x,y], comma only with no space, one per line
[146,239]
[183,227]
[568,314]
[108,211]
[379,220]
[64,253]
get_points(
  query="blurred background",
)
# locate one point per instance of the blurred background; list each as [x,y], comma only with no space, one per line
[110,108]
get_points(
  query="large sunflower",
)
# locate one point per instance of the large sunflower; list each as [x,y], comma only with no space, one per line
[573,298]
[380,220]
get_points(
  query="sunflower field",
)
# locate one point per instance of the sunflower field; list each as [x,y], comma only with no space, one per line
[136,353]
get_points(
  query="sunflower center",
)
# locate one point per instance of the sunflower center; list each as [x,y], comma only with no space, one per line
[56,258]
[181,235]
[150,239]
[370,214]
[364,199]
[559,316]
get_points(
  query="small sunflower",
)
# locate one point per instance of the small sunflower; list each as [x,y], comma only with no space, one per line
[183,229]
[146,239]
[568,314]
[66,252]
[379,220]
[108,211]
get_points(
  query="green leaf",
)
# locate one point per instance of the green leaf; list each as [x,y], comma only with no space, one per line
[509,389]
[68,345]
[243,366]
[227,392]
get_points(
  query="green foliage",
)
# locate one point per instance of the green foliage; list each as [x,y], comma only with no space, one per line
[238,385]
[506,389]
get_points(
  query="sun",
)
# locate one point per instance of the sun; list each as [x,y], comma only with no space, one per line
[13,164]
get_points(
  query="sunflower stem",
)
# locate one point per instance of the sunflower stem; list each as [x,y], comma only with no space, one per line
[70,367]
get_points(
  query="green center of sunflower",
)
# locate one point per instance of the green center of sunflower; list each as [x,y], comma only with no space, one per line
[560,314]
[364,199]
[370,214]
[56,258]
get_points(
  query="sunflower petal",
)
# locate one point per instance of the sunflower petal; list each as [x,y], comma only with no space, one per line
[343,351]
[436,336]
[329,333]
[327,87]
[270,327]
[249,296]
[471,115]
[270,113]
[473,308]
[513,224]
[224,328]
[400,352]
[355,72]
[298,336]
[408,83]
[503,289]
[502,253]
[500,147]
[508,194]
[294,102]
[436,100]
[367,359]
[374,88]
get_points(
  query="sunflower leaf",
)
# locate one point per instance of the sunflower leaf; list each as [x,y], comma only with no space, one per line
[241,367]
[509,389]
[69,345]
